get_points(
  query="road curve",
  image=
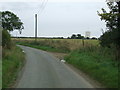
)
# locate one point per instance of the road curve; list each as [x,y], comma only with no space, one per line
[42,70]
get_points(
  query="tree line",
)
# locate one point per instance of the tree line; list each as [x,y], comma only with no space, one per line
[79,36]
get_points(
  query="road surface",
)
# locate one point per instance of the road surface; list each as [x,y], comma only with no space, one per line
[43,70]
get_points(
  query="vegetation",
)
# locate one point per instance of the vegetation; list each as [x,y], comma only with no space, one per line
[45,48]
[111,38]
[78,36]
[97,62]
[47,45]
[59,45]
[112,34]
[10,22]
[12,56]
[6,40]
[12,61]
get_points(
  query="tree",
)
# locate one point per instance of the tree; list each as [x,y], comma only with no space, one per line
[94,38]
[68,37]
[10,22]
[73,36]
[79,36]
[112,19]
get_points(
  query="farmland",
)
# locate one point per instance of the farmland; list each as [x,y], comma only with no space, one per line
[65,44]
[88,56]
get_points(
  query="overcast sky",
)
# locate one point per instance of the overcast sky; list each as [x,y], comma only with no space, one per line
[57,17]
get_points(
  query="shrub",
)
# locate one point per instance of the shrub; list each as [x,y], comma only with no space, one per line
[6,40]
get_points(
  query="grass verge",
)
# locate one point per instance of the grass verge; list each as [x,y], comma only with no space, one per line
[97,64]
[11,62]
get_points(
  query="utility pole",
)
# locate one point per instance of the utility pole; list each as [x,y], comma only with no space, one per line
[35,27]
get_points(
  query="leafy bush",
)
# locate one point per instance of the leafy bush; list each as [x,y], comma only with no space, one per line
[6,40]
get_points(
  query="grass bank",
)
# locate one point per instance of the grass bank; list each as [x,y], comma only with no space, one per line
[11,62]
[97,62]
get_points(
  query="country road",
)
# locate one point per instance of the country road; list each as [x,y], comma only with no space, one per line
[43,70]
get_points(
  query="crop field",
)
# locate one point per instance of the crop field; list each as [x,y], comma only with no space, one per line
[71,44]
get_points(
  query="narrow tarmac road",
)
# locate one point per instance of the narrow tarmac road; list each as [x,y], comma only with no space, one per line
[42,70]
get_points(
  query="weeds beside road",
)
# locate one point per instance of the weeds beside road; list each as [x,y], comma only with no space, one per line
[12,61]
[97,64]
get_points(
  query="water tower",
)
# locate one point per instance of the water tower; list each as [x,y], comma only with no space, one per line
[87,34]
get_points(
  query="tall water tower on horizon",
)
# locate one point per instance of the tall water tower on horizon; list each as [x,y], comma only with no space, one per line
[87,34]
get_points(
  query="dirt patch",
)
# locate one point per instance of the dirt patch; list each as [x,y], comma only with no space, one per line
[59,55]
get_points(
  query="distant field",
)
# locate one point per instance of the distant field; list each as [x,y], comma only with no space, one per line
[72,44]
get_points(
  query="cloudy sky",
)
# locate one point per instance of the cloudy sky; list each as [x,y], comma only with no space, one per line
[57,17]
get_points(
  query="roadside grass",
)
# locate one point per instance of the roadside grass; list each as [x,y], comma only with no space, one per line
[12,61]
[101,66]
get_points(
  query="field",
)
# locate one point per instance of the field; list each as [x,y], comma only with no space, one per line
[88,56]
[65,44]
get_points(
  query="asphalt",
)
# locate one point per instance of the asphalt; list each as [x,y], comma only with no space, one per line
[43,70]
